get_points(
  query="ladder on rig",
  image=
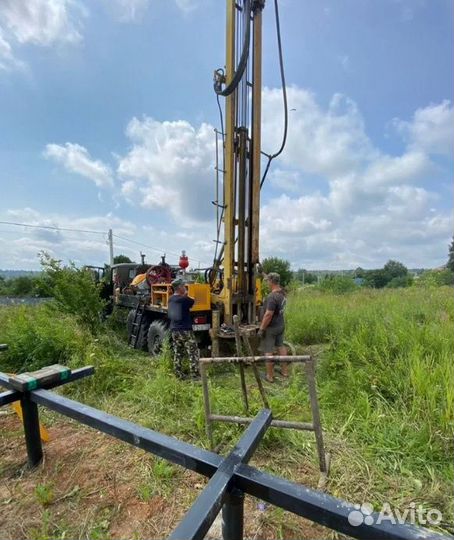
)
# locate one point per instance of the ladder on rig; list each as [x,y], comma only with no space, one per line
[136,324]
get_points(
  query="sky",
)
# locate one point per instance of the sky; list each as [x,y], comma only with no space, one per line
[107,118]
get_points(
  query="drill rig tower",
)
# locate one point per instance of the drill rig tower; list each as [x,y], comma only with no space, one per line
[241,85]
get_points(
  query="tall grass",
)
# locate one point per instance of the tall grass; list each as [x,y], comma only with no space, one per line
[385,385]
[36,336]
[388,369]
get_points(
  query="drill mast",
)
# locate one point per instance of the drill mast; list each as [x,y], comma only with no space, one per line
[241,84]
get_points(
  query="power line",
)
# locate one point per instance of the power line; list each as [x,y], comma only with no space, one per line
[50,227]
[67,229]
[159,250]
[150,247]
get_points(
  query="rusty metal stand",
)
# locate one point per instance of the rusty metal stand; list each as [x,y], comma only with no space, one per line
[314,426]
[250,352]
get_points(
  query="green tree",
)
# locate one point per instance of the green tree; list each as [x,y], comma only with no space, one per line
[359,272]
[450,263]
[304,276]
[395,269]
[22,286]
[121,259]
[281,266]
[377,278]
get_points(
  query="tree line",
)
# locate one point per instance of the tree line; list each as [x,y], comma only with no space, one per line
[394,274]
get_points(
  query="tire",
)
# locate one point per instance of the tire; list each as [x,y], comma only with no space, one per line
[141,344]
[157,333]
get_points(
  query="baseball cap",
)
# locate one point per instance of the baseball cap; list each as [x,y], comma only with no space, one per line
[178,283]
[274,277]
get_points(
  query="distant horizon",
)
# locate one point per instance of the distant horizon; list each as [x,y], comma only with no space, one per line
[314,271]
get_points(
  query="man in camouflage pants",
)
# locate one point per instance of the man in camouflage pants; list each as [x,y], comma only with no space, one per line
[184,344]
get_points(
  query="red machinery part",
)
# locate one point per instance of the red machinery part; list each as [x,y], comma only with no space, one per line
[184,261]
[159,274]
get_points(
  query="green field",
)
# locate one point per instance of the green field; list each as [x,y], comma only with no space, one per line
[385,380]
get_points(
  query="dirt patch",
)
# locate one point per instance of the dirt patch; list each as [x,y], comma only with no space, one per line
[92,486]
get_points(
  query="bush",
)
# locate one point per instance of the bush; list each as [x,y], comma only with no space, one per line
[74,292]
[338,284]
[401,281]
[436,278]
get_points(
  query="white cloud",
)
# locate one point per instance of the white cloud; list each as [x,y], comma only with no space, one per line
[368,206]
[134,10]
[187,5]
[129,10]
[170,167]
[76,159]
[37,22]
[326,142]
[19,246]
[431,129]
[374,207]
[7,59]
[40,22]
[284,179]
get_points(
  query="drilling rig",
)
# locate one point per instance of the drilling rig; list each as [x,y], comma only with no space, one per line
[232,285]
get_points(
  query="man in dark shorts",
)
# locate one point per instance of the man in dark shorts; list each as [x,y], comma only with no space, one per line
[272,327]
[183,341]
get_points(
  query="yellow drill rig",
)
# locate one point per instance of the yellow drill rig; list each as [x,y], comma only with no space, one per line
[232,285]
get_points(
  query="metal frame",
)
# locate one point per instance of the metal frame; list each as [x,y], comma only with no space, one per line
[315,426]
[230,477]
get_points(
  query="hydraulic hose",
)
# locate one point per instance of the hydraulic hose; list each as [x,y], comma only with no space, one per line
[231,87]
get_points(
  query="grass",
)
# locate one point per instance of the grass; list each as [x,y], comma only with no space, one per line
[385,387]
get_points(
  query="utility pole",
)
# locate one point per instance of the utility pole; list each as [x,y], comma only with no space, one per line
[110,240]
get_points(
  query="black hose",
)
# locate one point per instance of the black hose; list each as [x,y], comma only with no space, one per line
[243,60]
[284,94]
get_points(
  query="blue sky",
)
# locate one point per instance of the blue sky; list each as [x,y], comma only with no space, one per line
[107,114]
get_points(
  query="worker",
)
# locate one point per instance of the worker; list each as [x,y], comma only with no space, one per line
[184,344]
[271,331]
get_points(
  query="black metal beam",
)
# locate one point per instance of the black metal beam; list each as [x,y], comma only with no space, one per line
[203,512]
[13,395]
[323,508]
[303,501]
[31,430]
[233,515]
[178,452]
[8,397]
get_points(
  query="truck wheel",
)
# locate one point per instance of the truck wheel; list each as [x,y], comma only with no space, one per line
[156,335]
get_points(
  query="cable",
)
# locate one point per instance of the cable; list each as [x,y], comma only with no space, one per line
[50,227]
[145,245]
[242,63]
[153,248]
[284,94]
